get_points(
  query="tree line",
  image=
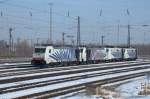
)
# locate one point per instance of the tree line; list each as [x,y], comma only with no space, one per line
[24,48]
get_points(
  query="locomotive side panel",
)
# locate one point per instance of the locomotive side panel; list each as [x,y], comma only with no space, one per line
[73,55]
[59,55]
[98,54]
[114,54]
[130,54]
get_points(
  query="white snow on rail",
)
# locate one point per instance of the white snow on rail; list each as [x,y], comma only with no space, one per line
[10,64]
[66,84]
[26,63]
[65,68]
[102,64]
[130,90]
[51,72]
[16,69]
[63,76]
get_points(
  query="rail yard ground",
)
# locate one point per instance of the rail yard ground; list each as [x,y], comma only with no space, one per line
[27,81]
[128,89]
[14,60]
[74,49]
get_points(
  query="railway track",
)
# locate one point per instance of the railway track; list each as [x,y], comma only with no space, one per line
[17,67]
[60,88]
[40,75]
[58,79]
[28,65]
[12,66]
[12,85]
[33,70]
[71,89]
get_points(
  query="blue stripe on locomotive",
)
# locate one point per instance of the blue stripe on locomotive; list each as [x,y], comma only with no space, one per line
[117,54]
[63,55]
[131,53]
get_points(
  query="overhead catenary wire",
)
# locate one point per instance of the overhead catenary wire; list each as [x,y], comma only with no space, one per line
[84,20]
[32,11]
[39,10]
[27,19]
[44,11]
[44,21]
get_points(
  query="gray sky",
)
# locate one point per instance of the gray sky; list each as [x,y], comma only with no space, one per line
[17,14]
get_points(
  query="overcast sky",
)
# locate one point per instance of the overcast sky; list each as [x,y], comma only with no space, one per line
[30,19]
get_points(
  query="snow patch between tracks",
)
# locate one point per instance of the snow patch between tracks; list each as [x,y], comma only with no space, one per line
[66,84]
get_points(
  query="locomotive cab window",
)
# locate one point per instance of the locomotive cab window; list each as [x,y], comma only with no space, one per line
[40,50]
[81,50]
[50,51]
[107,50]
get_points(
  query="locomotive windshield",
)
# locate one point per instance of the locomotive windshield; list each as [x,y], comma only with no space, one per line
[40,50]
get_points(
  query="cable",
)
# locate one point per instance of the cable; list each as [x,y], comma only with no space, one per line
[38,10]
[48,13]
[33,20]
[3,1]
[26,26]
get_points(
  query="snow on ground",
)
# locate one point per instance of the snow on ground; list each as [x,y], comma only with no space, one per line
[8,64]
[64,84]
[55,77]
[130,90]
[80,96]
[26,63]
[15,69]
[35,74]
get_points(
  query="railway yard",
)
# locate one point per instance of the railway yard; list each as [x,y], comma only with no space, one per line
[74,49]
[27,81]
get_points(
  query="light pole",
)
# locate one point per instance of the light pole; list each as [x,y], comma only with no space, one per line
[78,32]
[50,32]
[144,38]
[129,38]
[118,30]
[63,39]
[102,38]
[10,41]
[71,38]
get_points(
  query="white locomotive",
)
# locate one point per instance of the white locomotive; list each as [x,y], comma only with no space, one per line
[81,55]
[130,54]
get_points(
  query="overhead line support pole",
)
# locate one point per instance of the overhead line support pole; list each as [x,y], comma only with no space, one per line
[78,32]
[10,41]
[102,38]
[63,39]
[50,33]
[129,38]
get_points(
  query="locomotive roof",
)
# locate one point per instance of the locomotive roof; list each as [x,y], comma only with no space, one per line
[87,46]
